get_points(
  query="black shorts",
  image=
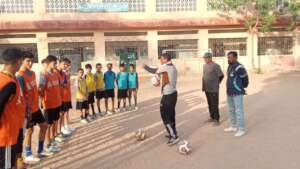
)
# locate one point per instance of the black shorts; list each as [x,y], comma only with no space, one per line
[8,156]
[100,95]
[80,105]
[19,145]
[122,93]
[52,115]
[110,93]
[66,106]
[91,97]
[36,118]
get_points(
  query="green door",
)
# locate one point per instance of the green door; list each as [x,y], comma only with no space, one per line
[128,58]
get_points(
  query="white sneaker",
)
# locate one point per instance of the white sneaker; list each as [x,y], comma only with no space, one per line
[109,113]
[84,121]
[31,159]
[45,154]
[70,129]
[117,110]
[66,132]
[53,149]
[240,133]
[136,108]
[231,129]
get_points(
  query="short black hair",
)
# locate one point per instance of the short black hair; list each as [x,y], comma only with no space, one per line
[27,55]
[65,60]
[51,58]
[167,56]
[122,65]
[233,53]
[132,65]
[11,55]
[80,69]
[44,61]
[98,64]
[88,66]
[109,64]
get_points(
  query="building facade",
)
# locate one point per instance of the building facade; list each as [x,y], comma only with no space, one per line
[184,28]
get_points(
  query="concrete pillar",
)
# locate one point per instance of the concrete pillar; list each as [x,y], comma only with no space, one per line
[297,50]
[152,38]
[202,7]
[202,41]
[252,53]
[99,47]
[39,7]
[42,46]
[150,6]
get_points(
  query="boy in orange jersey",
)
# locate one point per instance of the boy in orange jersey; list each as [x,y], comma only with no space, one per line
[49,89]
[27,79]
[12,109]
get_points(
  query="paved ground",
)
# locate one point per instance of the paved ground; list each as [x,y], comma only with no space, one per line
[272,142]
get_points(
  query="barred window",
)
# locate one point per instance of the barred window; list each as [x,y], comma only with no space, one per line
[113,50]
[133,5]
[77,52]
[275,45]
[16,6]
[179,49]
[221,46]
[30,47]
[63,6]
[176,5]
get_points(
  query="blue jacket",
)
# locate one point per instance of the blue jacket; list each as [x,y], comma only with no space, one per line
[237,79]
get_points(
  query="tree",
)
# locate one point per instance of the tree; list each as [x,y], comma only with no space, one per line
[259,15]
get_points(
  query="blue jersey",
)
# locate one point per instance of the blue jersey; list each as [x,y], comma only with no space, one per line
[109,80]
[132,80]
[122,79]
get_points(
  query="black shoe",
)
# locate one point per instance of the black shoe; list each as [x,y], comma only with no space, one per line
[168,136]
[173,141]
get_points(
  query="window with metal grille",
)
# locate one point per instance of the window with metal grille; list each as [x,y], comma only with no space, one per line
[30,47]
[16,6]
[77,52]
[176,5]
[133,5]
[179,49]
[63,6]
[275,45]
[221,46]
[113,50]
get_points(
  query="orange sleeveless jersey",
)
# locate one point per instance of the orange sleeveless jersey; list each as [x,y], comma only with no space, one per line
[52,91]
[13,115]
[67,89]
[31,90]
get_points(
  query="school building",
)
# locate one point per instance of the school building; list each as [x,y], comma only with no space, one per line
[137,31]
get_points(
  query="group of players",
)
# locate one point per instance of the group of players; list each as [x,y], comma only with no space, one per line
[24,102]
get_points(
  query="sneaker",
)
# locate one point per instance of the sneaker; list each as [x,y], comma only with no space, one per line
[173,141]
[59,139]
[45,154]
[55,143]
[53,149]
[66,132]
[136,108]
[117,110]
[84,121]
[31,159]
[231,129]
[70,129]
[240,133]
[168,136]
[103,114]
[109,113]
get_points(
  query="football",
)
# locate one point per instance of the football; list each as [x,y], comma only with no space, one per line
[140,135]
[155,80]
[184,148]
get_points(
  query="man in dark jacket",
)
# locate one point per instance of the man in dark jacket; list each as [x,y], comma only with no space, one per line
[211,79]
[237,81]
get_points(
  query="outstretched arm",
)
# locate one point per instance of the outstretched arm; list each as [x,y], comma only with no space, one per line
[150,69]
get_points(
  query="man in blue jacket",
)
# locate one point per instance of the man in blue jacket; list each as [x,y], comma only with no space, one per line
[237,81]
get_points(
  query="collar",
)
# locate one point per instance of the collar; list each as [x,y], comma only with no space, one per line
[8,73]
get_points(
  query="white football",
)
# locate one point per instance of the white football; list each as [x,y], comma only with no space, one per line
[184,148]
[140,135]
[155,80]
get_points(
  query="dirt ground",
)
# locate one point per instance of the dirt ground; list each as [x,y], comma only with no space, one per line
[272,140]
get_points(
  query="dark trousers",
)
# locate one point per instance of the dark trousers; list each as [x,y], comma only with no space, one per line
[167,112]
[213,105]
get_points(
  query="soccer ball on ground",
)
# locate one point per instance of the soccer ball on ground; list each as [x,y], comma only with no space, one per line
[140,135]
[184,147]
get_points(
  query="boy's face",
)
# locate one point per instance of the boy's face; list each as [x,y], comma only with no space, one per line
[122,68]
[131,69]
[99,68]
[52,65]
[163,60]
[63,65]
[27,63]
[80,73]
[88,70]
[109,67]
